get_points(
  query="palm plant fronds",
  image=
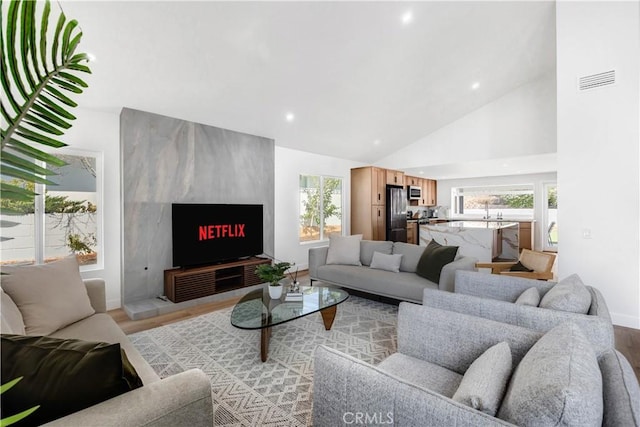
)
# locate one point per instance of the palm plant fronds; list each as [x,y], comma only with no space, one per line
[40,69]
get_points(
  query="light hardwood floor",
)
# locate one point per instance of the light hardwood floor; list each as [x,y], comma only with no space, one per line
[627,339]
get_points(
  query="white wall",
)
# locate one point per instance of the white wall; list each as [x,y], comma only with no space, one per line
[521,123]
[598,155]
[538,180]
[100,132]
[290,164]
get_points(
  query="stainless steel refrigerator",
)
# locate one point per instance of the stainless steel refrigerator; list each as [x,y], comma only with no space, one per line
[396,214]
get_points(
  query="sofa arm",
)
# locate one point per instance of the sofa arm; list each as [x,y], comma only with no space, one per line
[345,388]
[496,286]
[597,329]
[97,296]
[181,399]
[317,258]
[448,274]
[455,340]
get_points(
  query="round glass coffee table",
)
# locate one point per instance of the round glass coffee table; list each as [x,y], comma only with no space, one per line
[256,310]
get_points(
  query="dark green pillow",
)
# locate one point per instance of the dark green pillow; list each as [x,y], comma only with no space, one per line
[61,375]
[434,257]
[520,267]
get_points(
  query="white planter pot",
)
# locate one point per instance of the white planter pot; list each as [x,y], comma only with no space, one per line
[275,292]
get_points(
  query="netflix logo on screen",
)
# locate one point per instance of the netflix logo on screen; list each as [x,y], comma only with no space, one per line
[211,233]
[220,231]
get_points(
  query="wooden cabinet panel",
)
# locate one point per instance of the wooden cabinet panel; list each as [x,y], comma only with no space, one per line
[378,219]
[395,177]
[379,181]
[432,199]
[424,183]
[526,235]
[412,233]
[412,180]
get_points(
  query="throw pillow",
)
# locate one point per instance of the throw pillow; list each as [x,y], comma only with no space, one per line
[484,383]
[518,266]
[368,247]
[344,250]
[434,257]
[62,375]
[386,262]
[12,322]
[569,294]
[558,382]
[49,296]
[530,297]
[410,255]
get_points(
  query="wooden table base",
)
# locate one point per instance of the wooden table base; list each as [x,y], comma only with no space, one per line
[328,316]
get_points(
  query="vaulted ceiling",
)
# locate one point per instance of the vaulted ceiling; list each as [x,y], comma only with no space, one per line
[362,79]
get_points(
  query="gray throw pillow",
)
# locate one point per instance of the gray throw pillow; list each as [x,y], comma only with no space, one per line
[368,247]
[569,294]
[386,262]
[434,257]
[530,297]
[344,250]
[557,383]
[49,296]
[410,255]
[484,383]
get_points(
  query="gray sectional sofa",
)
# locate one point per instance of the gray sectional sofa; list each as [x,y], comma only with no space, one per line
[435,378]
[492,296]
[405,285]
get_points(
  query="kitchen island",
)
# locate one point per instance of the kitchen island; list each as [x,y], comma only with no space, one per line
[483,240]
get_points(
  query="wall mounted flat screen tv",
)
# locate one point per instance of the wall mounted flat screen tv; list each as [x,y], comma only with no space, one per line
[212,233]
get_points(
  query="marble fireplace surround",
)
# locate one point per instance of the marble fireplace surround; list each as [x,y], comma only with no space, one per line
[166,160]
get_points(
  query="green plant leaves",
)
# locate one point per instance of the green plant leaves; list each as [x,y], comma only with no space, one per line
[40,76]
[17,417]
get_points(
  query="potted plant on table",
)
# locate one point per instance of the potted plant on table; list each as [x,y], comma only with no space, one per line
[273,273]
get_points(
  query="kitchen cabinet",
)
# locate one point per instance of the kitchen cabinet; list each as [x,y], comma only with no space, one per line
[429,192]
[368,197]
[424,183]
[395,177]
[412,232]
[412,180]
[526,235]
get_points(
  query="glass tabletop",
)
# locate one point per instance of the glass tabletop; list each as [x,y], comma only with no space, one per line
[256,310]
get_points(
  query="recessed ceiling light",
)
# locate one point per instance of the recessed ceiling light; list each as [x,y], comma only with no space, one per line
[376,142]
[407,17]
[475,85]
[289,117]
[421,172]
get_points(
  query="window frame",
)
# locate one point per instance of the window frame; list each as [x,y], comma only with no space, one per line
[322,238]
[455,201]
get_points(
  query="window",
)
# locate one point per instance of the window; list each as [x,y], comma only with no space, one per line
[62,220]
[320,207]
[551,217]
[494,201]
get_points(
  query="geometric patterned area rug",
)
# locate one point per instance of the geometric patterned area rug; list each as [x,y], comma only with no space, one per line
[278,392]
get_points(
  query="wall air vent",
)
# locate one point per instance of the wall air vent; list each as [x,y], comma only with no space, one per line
[594,81]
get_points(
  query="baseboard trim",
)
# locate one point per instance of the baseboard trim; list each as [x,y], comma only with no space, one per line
[625,320]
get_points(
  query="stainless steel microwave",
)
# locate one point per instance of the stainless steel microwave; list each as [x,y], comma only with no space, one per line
[414,193]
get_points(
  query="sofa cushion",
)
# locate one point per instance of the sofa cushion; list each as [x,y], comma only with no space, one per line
[386,262]
[12,322]
[368,247]
[570,294]
[621,390]
[404,286]
[410,255]
[344,250]
[62,376]
[484,383]
[434,257]
[558,382]
[422,373]
[530,297]
[49,296]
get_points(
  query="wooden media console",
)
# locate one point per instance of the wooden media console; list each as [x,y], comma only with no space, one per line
[182,284]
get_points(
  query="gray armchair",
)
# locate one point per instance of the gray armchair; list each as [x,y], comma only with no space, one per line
[492,297]
[414,387]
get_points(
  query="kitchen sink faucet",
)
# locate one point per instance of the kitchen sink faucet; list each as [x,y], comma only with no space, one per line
[486,208]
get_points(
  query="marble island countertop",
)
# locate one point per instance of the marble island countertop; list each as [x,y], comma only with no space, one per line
[476,224]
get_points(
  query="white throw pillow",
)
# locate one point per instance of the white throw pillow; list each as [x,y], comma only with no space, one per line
[569,294]
[49,296]
[382,261]
[485,382]
[529,297]
[344,250]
